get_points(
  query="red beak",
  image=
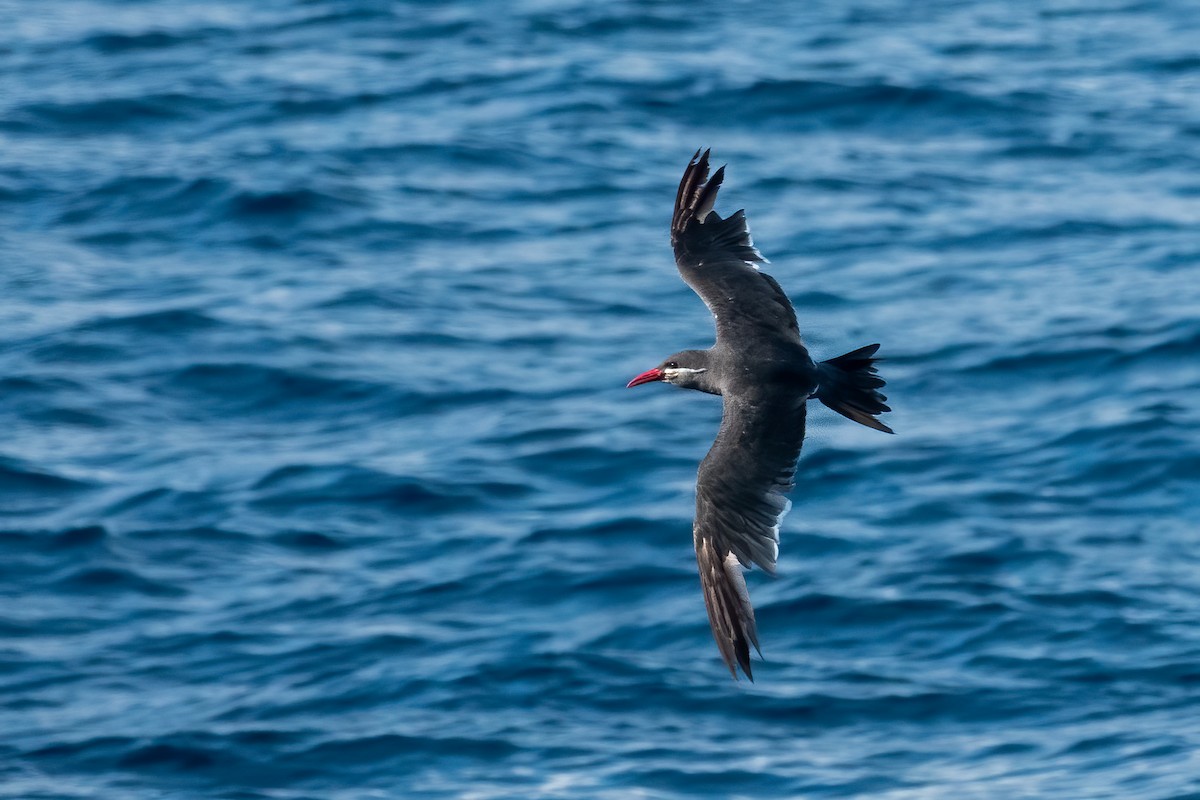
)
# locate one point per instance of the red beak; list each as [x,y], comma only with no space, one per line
[646,377]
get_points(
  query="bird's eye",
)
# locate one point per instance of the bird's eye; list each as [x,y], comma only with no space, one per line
[671,365]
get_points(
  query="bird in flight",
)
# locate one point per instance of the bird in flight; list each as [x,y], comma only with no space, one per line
[765,376]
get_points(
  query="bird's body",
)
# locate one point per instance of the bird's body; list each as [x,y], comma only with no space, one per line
[765,377]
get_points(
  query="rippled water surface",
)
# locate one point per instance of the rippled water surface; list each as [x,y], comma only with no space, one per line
[319,478]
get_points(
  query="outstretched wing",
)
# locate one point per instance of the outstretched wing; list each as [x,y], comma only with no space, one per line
[739,504]
[716,257]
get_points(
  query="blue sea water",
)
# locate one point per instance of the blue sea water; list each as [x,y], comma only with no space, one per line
[318,477]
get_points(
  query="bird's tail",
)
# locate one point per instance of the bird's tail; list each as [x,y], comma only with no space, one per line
[850,386]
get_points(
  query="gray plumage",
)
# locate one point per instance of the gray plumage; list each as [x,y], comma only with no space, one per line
[765,376]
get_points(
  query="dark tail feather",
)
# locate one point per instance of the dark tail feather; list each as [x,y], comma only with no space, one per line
[850,386]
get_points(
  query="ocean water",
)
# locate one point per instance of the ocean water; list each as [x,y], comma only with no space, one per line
[319,479]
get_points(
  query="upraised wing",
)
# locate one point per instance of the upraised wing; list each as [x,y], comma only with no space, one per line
[716,257]
[739,504]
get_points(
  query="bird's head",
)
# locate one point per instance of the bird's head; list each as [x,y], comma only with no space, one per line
[687,369]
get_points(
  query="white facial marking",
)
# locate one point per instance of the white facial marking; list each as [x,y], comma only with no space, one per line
[671,373]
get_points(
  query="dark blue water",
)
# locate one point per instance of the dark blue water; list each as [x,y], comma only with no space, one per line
[318,478]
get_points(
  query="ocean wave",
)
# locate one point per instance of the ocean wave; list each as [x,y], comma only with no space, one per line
[806,104]
[318,474]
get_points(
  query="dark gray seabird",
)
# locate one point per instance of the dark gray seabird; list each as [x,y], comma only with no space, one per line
[766,377]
